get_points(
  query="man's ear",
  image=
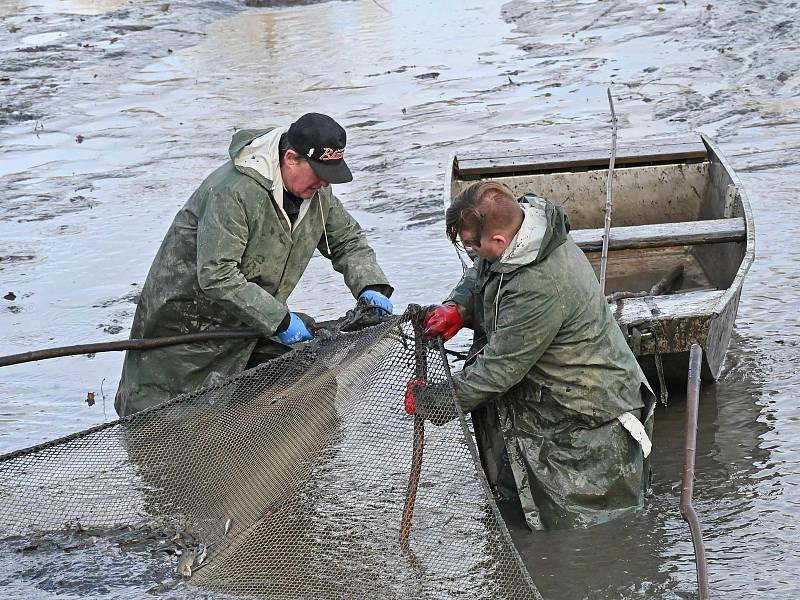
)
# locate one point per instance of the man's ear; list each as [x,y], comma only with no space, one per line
[501,240]
[291,156]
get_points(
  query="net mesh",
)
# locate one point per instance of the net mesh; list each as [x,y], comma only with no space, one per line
[287,481]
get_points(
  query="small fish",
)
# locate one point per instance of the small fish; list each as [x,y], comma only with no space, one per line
[159,588]
[228,526]
[202,557]
[185,563]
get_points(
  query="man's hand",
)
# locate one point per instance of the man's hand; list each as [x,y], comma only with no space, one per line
[378,300]
[296,332]
[430,401]
[442,320]
[413,387]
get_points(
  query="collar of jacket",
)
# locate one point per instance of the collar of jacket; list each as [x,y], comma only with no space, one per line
[254,152]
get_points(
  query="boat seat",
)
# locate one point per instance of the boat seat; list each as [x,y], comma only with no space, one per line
[684,305]
[662,235]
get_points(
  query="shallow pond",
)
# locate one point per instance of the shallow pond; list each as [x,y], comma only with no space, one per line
[113,112]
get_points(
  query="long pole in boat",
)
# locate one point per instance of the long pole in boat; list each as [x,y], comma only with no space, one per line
[687,510]
[420,372]
[609,197]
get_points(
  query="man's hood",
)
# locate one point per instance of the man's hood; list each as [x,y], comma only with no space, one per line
[243,138]
[254,152]
[544,228]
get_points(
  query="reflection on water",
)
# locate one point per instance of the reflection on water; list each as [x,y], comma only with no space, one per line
[155,109]
[77,7]
[10,7]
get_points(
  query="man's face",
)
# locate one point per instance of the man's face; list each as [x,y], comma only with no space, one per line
[487,247]
[298,176]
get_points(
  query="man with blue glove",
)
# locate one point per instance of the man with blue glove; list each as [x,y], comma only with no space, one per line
[235,252]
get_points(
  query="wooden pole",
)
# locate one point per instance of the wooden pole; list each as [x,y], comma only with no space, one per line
[687,510]
[420,372]
[609,198]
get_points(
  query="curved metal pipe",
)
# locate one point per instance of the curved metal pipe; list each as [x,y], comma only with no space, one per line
[687,510]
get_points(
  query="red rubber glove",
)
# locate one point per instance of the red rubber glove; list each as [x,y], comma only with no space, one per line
[412,387]
[442,320]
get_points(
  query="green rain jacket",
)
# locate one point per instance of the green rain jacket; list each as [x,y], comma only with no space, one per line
[230,259]
[554,382]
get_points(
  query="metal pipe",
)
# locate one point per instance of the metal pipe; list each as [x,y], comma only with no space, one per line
[147,343]
[687,510]
[420,372]
[609,198]
[134,344]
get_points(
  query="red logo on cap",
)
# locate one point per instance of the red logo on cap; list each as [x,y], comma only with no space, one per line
[331,154]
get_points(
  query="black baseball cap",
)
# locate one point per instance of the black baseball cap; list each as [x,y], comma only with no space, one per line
[321,140]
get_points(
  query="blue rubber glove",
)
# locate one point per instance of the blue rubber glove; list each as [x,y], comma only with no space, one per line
[378,300]
[296,332]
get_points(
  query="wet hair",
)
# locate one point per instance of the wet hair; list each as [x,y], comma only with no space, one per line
[484,204]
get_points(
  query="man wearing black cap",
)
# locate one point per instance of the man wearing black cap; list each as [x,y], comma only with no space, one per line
[236,251]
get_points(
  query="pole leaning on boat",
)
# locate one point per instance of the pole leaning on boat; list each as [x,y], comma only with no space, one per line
[687,510]
[609,197]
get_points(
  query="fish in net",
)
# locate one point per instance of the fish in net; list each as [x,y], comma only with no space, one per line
[287,481]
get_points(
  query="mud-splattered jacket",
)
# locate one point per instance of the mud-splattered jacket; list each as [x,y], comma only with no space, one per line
[230,259]
[554,374]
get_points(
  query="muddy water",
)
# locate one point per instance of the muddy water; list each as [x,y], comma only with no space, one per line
[113,112]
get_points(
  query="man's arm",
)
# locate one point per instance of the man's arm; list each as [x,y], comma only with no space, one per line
[222,236]
[462,296]
[350,253]
[527,323]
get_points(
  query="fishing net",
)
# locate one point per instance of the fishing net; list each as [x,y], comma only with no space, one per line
[287,481]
